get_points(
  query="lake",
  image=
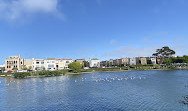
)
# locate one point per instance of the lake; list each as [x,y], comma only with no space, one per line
[105,91]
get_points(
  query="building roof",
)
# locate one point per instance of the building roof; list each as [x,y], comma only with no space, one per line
[63,59]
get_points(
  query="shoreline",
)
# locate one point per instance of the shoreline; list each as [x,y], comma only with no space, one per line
[41,76]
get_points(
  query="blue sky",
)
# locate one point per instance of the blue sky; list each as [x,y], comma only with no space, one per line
[92,28]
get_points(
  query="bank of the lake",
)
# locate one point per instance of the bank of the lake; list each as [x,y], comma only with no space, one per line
[63,72]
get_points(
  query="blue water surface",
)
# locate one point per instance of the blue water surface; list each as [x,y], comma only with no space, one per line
[105,91]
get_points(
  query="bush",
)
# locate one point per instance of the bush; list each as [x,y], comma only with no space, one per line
[75,67]
[21,74]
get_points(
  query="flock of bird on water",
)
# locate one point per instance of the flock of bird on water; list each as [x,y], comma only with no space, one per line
[107,79]
[112,79]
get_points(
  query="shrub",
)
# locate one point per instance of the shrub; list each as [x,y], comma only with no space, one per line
[21,74]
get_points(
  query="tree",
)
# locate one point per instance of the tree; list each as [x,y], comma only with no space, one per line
[86,64]
[43,68]
[167,61]
[164,52]
[30,67]
[15,68]
[75,66]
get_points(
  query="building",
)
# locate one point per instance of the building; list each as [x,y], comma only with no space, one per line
[159,60]
[27,63]
[132,61]
[105,63]
[63,63]
[125,61]
[94,63]
[50,64]
[13,62]
[111,63]
[143,60]
[38,64]
[138,60]
[153,60]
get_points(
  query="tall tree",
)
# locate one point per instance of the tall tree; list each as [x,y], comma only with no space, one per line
[164,52]
[86,64]
[75,66]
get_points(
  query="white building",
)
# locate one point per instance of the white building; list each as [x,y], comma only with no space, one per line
[63,63]
[132,61]
[38,64]
[94,63]
[50,64]
[153,60]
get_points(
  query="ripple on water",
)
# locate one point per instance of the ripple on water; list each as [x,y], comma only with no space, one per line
[146,91]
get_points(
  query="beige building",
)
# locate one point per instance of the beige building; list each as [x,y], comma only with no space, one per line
[125,61]
[63,63]
[27,63]
[13,62]
[143,61]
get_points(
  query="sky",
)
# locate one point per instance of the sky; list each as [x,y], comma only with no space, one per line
[87,29]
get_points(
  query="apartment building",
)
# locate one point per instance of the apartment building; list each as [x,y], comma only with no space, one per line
[132,61]
[125,61]
[143,60]
[63,63]
[27,63]
[38,64]
[13,62]
[153,60]
[111,62]
[94,63]
[50,64]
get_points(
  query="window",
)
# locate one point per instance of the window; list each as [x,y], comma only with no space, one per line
[67,61]
[42,62]
[53,61]
[37,62]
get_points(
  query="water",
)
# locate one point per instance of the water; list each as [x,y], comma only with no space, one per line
[107,91]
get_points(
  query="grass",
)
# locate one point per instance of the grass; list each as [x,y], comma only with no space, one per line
[60,72]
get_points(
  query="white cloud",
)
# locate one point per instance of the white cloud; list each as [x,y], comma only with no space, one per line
[20,9]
